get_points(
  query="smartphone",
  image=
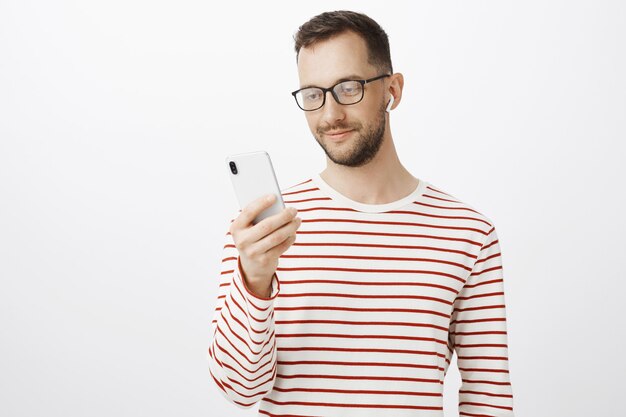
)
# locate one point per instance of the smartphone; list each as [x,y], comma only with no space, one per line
[252,175]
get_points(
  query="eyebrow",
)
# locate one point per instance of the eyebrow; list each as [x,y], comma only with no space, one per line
[346,78]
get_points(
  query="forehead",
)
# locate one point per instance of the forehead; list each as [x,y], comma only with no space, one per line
[325,62]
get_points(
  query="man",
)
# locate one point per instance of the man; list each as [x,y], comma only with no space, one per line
[389,274]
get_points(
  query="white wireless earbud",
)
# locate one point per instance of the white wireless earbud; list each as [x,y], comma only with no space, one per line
[388,109]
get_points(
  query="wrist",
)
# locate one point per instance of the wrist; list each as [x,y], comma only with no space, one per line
[261,291]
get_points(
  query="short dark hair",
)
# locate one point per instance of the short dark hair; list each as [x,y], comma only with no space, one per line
[328,24]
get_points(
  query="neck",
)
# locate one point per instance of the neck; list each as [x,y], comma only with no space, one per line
[382,180]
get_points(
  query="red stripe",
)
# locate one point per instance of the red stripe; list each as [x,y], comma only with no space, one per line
[471,381]
[495,268]
[359,233]
[488,294]
[380,246]
[421,203]
[495,358]
[503,371]
[479,333]
[310,180]
[501,407]
[489,320]
[480,308]
[384,364]
[493,281]
[359,350]
[482,345]
[390,223]
[306,200]
[267,413]
[364,310]
[323,208]
[490,394]
[439,216]
[441,199]
[363,391]
[343,405]
[430,187]
[374,271]
[404,212]
[219,384]
[377,258]
[389,297]
[363,323]
[368,283]
[300,191]
[359,377]
[495,255]
[360,336]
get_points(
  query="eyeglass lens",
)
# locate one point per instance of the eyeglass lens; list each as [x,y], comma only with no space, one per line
[347,92]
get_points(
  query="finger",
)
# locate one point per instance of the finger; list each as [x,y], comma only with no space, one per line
[281,248]
[277,237]
[270,224]
[249,213]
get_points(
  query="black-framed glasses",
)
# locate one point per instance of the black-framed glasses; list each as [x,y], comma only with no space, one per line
[344,92]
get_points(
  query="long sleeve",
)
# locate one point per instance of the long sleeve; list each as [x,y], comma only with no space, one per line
[478,334]
[242,352]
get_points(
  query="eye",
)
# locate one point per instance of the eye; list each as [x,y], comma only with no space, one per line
[350,88]
[311,95]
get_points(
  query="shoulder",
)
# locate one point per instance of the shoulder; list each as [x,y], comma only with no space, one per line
[445,201]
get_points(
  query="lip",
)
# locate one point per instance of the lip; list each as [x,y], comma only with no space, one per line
[340,135]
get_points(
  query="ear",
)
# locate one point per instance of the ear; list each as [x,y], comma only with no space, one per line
[395,90]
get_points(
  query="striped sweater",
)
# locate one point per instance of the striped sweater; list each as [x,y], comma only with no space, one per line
[366,310]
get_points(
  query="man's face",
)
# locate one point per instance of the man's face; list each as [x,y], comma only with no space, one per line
[323,65]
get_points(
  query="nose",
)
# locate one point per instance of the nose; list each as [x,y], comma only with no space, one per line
[332,111]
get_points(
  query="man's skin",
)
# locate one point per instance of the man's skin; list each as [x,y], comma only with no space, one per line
[363,165]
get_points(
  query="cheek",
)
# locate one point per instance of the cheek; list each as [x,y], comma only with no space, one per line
[312,122]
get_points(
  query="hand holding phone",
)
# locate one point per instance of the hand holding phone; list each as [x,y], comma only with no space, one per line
[265,228]
[261,245]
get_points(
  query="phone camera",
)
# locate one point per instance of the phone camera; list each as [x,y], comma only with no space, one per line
[233,167]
